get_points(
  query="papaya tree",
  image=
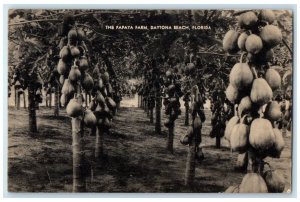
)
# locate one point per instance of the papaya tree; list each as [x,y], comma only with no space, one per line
[255,131]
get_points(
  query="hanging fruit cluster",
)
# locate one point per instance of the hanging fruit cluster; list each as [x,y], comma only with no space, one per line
[172,95]
[102,105]
[198,117]
[251,86]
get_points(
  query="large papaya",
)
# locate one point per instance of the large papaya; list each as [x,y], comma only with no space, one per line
[253,44]
[229,127]
[247,20]
[267,16]
[271,35]
[261,92]
[273,78]
[241,76]
[230,41]
[261,135]
[273,111]
[253,183]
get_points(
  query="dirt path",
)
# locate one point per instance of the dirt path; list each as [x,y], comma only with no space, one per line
[135,157]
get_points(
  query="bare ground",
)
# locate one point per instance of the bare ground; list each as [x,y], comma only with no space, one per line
[135,160]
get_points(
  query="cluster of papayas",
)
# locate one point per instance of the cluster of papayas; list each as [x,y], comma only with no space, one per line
[173,93]
[253,129]
[103,105]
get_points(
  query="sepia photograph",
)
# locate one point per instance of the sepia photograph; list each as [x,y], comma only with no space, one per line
[150,101]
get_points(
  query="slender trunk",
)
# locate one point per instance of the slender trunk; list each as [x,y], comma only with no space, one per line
[18,101]
[158,115]
[170,139]
[255,164]
[78,155]
[16,97]
[142,102]
[56,108]
[218,141]
[186,122]
[32,108]
[190,164]
[50,102]
[99,143]
[151,115]
[242,161]
[24,100]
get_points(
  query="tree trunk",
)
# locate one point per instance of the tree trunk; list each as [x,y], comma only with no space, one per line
[24,100]
[32,108]
[151,115]
[218,141]
[170,139]
[56,108]
[186,122]
[158,115]
[16,98]
[18,101]
[99,143]
[190,164]
[242,161]
[50,102]
[255,164]
[78,155]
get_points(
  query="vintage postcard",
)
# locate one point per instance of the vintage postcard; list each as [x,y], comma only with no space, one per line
[150,101]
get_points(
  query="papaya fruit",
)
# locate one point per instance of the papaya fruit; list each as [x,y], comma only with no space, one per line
[244,106]
[75,52]
[63,99]
[111,104]
[239,137]
[261,135]
[74,74]
[83,63]
[279,144]
[197,123]
[105,77]
[230,41]
[186,138]
[271,35]
[100,99]
[253,183]
[247,20]
[261,92]
[253,44]
[80,35]
[232,189]
[274,180]
[61,79]
[61,67]
[242,40]
[267,16]
[72,35]
[228,130]
[65,54]
[232,93]
[74,108]
[273,78]
[67,88]
[87,82]
[241,76]
[273,111]
[89,118]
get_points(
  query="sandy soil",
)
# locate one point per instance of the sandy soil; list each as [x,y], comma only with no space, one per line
[136,159]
